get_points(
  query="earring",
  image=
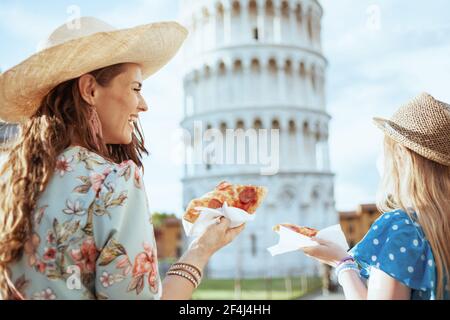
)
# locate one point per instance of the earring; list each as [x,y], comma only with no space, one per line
[95,127]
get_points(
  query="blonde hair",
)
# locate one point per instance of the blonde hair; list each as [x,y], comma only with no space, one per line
[31,161]
[416,184]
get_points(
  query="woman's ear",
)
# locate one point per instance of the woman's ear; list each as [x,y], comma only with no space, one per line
[87,85]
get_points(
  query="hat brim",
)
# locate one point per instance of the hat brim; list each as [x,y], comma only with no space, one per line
[22,87]
[392,130]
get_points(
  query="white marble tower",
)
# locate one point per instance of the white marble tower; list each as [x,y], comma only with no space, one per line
[259,64]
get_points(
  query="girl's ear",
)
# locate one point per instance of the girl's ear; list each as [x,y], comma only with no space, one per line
[87,86]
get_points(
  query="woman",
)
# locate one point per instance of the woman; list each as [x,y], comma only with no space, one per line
[406,253]
[75,222]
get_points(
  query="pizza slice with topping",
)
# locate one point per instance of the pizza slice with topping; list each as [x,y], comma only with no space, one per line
[245,197]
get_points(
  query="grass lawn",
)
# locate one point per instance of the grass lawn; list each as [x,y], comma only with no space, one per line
[259,289]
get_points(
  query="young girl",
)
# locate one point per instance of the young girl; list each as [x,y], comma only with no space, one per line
[406,252]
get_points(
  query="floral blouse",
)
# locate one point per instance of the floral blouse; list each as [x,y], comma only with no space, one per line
[93,235]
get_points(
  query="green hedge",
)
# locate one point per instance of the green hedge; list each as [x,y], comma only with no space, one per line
[259,289]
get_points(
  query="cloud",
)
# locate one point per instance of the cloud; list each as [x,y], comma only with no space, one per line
[22,23]
[21,32]
[125,14]
[373,72]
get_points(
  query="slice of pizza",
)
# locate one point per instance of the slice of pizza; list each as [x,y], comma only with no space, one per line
[245,197]
[306,231]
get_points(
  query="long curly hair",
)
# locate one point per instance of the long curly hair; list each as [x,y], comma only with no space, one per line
[415,184]
[31,161]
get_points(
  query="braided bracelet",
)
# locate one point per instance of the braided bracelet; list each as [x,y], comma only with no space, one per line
[184,275]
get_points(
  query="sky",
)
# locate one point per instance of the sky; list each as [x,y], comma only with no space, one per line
[380,53]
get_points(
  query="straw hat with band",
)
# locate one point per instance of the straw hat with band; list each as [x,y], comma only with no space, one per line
[81,46]
[422,125]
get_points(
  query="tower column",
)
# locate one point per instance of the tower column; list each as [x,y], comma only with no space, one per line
[299,144]
[277,22]
[196,35]
[212,28]
[215,88]
[307,152]
[219,27]
[262,97]
[314,142]
[203,30]
[245,19]
[283,81]
[326,153]
[246,79]
[301,26]
[284,138]
[261,13]
[227,21]
[292,24]
[319,34]
[307,87]
[295,92]
[200,92]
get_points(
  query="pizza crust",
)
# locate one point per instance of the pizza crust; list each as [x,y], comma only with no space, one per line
[306,231]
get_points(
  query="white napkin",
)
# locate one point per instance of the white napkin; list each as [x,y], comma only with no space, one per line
[292,241]
[208,217]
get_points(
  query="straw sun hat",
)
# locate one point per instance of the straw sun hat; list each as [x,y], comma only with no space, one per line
[422,125]
[81,46]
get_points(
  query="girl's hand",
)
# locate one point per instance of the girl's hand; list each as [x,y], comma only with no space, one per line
[326,252]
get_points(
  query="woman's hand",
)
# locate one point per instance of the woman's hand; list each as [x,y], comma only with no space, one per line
[217,236]
[214,238]
[326,252]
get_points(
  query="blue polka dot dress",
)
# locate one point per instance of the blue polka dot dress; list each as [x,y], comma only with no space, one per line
[396,245]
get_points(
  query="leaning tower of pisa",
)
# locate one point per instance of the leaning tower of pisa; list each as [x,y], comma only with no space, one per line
[259,64]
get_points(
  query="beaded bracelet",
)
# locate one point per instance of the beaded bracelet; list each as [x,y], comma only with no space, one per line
[345,270]
[344,260]
[345,267]
[184,275]
[192,274]
[189,267]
